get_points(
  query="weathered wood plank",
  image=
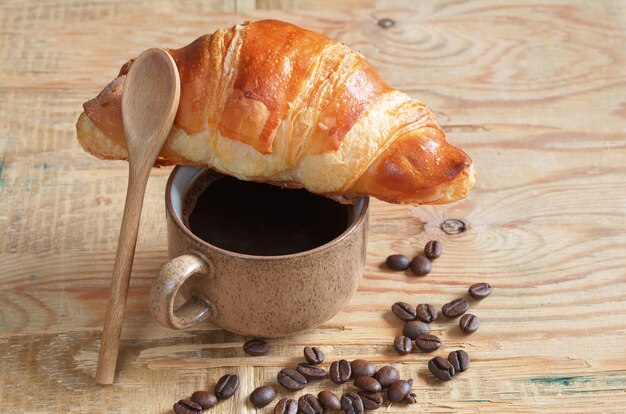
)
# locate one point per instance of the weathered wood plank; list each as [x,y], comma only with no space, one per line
[534,91]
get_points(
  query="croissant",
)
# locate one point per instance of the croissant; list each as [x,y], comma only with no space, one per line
[271,102]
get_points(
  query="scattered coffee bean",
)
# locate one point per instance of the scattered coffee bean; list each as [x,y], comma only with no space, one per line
[404,311]
[286,406]
[311,371]
[480,290]
[441,368]
[398,262]
[371,400]
[361,367]
[411,398]
[386,376]
[226,386]
[187,407]
[205,399]
[309,404]
[402,345]
[420,266]
[428,343]
[340,371]
[460,360]
[368,384]
[426,313]
[256,347]
[433,249]
[329,401]
[291,379]
[455,308]
[313,355]
[262,396]
[399,390]
[351,403]
[469,323]
[413,329]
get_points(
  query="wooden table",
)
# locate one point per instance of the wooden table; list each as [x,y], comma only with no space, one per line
[535,91]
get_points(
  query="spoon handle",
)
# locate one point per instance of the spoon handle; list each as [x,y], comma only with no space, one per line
[111,333]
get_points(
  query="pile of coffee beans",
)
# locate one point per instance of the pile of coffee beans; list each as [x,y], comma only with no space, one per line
[370,384]
[420,265]
[416,330]
[203,400]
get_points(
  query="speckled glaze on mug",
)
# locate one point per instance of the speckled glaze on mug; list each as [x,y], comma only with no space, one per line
[262,296]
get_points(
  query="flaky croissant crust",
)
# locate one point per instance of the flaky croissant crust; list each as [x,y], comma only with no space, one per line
[269,101]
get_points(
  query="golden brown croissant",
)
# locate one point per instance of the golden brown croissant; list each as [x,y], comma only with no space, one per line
[269,101]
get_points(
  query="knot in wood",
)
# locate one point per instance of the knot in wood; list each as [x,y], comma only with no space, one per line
[386,23]
[453,226]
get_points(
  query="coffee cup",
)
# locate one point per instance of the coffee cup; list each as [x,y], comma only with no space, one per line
[252,295]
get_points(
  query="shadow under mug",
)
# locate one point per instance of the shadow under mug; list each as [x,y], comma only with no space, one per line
[262,296]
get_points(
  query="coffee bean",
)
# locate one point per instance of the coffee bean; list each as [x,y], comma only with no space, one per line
[398,390]
[367,384]
[433,249]
[480,290]
[313,355]
[420,266]
[205,399]
[256,347]
[286,406]
[386,376]
[460,360]
[311,371]
[329,401]
[371,400]
[262,396]
[428,343]
[411,398]
[398,262]
[455,308]
[402,345]
[340,371]
[426,313]
[413,329]
[404,311]
[469,323]
[226,386]
[291,379]
[309,404]
[441,368]
[187,407]
[361,367]
[351,403]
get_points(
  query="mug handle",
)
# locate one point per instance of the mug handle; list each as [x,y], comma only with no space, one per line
[165,288]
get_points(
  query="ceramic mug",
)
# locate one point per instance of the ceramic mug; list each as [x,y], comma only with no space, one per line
[261,296]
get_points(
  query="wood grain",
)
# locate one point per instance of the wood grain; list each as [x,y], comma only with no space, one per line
[534,91]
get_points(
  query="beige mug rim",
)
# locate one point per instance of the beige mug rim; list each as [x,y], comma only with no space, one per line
[358,220]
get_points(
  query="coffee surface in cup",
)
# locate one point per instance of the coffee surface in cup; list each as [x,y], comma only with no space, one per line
[262,219]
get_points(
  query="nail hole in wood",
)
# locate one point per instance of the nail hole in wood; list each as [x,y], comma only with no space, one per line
[386,23]
[453,226]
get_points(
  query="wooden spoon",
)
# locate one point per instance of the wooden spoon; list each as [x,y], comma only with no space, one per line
[149,104]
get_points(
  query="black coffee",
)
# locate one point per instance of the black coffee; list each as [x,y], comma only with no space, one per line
[263,219]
